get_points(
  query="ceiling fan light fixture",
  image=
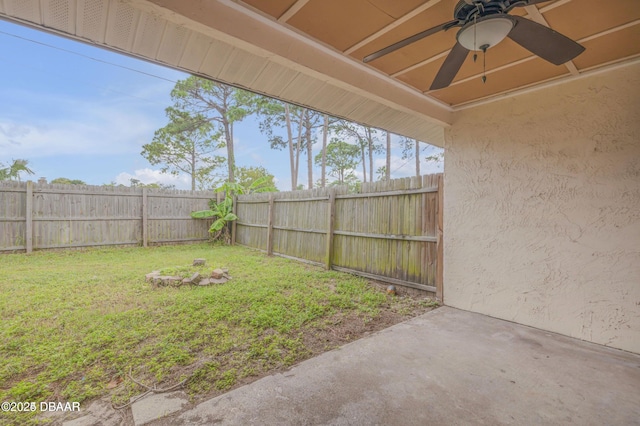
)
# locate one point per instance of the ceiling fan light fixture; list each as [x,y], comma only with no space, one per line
[484,33]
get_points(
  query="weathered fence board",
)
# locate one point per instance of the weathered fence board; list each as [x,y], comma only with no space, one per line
[40,216]
[389,231]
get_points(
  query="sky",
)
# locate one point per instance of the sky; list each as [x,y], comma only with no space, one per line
[81,112]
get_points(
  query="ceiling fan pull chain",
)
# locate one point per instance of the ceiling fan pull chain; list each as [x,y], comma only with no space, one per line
[484,64]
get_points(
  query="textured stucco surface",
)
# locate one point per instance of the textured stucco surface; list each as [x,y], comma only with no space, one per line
[542,209]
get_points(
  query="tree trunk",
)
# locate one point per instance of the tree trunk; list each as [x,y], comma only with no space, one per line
[325,129]
[309,150]
[287,115]
[370,146]
[388,166]
[417,158]
[364,163]
[193,168]
[299,144]
[228,134]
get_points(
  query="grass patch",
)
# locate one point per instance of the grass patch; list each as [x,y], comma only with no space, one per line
[75,323]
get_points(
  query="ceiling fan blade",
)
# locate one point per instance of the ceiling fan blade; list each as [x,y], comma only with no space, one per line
[548,44]
[450,67]
[407,41]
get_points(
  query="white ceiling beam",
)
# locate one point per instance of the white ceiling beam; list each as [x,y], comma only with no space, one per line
[391,26]
[421,63]
[609,31]
[489,72]
[572,68]
[554,81]
[553,5]
[295,8]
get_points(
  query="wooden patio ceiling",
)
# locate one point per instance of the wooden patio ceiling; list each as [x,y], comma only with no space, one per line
[609,30]
[310,52]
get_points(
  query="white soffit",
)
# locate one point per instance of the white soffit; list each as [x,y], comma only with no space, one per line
[257,57]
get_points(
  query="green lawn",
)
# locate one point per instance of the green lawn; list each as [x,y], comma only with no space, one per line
[76,323]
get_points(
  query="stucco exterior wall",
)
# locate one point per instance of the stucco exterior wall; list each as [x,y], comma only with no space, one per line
[542,209]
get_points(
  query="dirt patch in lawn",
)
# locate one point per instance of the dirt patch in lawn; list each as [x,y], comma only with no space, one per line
[347,327]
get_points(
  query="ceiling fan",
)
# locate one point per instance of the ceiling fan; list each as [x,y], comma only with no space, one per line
[485,23]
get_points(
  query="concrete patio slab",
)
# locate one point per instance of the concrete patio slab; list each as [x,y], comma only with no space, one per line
[157,405]
[99,412]
[445,367]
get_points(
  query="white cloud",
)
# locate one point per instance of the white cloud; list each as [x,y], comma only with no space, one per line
[244,150]
[407,167]
[152,92]
[148,176]
[76,128]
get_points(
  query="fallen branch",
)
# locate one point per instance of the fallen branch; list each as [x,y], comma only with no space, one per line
[149,389]
[130,402]
[154,389]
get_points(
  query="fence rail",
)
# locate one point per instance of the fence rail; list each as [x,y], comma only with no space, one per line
[390,231]
[42,216]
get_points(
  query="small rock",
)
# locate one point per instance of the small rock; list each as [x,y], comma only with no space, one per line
[158,281]
[391,290]
[199,262]
[195,278]
[187,281]
[175,281]
[167,280]
[150,276]
[217,280]
[217,273]
[225,270]
[205,281]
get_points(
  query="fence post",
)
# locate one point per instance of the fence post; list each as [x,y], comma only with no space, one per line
[331,213]
[234,210]
[29,218]
[145,217]
[440,243]
[270,226]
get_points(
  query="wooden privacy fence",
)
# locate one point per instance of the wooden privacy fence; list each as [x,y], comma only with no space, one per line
[42,216]
[390,231]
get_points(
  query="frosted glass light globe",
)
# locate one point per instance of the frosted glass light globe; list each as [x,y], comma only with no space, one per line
[488,32]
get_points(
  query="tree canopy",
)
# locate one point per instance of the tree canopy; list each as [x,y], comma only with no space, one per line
[247,176]
[67,181]
[215,103]
[341,160]
[204,112]
[367,140]
[185,145]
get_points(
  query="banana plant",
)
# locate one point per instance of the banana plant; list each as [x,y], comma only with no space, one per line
[261,184]
[222,211]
